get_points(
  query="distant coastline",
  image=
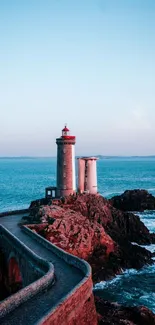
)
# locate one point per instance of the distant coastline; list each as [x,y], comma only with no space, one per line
[97,156]
[123,157]
[27,157]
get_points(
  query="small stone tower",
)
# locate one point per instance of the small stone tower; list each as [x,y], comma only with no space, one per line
[87,175]
[66,163]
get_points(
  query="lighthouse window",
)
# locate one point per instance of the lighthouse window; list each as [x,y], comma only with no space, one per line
[64,163]
[64,150]
[64,187]
[64,174]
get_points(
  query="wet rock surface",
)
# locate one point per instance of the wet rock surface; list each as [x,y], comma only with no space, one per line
[115,314]
[134,200]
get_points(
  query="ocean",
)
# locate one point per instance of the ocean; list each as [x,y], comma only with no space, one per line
[24,179]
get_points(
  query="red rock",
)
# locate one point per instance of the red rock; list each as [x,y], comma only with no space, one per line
[74,232]
[88,226]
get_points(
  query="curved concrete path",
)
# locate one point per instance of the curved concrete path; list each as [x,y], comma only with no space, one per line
[67,277]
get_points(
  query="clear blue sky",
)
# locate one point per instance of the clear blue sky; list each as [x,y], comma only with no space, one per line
[90,63]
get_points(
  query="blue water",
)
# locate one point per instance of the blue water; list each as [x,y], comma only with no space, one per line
[24,180]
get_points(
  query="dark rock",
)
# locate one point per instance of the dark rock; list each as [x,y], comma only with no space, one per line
[4,290]
[134,200]
[115,314]
[128,226]
[39,202]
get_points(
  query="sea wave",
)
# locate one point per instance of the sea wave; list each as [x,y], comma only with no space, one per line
[126,274]
[131,288]
[105,284]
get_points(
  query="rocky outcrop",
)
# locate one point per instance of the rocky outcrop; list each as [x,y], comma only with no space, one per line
[91,227]
[114,314]
[39,202]
[88,226]
[73,232]
[118,224]
[134,200]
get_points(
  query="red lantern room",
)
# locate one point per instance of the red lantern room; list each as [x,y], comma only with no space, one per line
[66,134]
[65,131]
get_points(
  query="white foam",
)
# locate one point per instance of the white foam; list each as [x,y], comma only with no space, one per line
[150,248]
[105,284]
[148,298]
[127,273]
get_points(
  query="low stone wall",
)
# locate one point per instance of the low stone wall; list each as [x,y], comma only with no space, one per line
[77,307]
[15,212]
[42,266]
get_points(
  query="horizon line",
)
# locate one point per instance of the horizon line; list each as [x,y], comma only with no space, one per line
[99,155]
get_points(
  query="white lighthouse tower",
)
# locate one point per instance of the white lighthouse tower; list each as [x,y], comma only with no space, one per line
[66,163]
[87,172]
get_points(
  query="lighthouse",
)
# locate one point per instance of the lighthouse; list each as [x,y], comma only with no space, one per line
[87,171]
[66,163]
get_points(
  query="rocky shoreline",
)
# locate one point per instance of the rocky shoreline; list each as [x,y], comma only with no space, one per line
[101,231]
[114,314]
